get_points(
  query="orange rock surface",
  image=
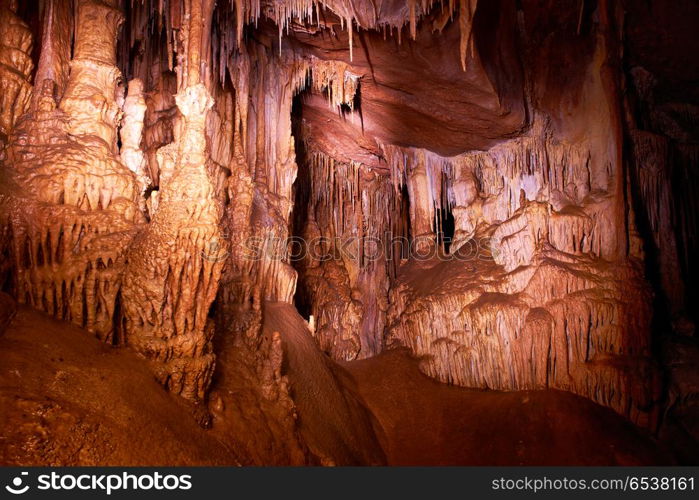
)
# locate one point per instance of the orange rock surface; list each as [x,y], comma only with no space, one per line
[266,205]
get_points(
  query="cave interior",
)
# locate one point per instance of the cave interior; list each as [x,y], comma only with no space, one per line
[349,232]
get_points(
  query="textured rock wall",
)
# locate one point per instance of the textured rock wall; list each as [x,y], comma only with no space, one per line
[15,67]
[542,284]
[145,205]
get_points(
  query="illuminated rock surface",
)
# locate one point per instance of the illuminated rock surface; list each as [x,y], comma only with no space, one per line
[268,205]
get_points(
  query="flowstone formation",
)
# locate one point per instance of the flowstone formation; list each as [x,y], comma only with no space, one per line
[15,67]
[71,206]
[530,301]
[173,270]
[174,266]
[250,193]
[507,266]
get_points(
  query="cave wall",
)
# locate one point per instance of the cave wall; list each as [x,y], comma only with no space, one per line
[543,285]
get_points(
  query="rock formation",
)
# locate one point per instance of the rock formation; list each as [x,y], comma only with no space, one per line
[16,66]
[72,206]
[250,193]
[174,265]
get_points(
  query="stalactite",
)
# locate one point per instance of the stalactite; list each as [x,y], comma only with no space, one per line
[467,9]
[350,30]
[149,18]
[413,21]
[336,80]
[426,176]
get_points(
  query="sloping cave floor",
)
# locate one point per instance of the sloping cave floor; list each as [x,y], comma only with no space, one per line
[67,399]
[426,422]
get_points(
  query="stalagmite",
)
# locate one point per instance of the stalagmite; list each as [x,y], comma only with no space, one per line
[77,210]
[131,135]
[175,264]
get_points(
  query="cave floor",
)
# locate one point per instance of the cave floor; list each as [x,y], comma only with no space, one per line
[425,422]
[68,399]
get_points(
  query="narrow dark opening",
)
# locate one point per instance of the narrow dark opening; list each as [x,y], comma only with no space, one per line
[445,234]
[116,321]
[299,217]
[213,308]
[406,230]
[401,232]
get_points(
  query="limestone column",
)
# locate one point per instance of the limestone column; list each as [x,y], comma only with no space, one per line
[56,37]
[15,66]
[175,264]
[421,210]
[91,99]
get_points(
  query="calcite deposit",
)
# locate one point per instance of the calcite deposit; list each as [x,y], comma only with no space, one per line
[262,201]
[16,67]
